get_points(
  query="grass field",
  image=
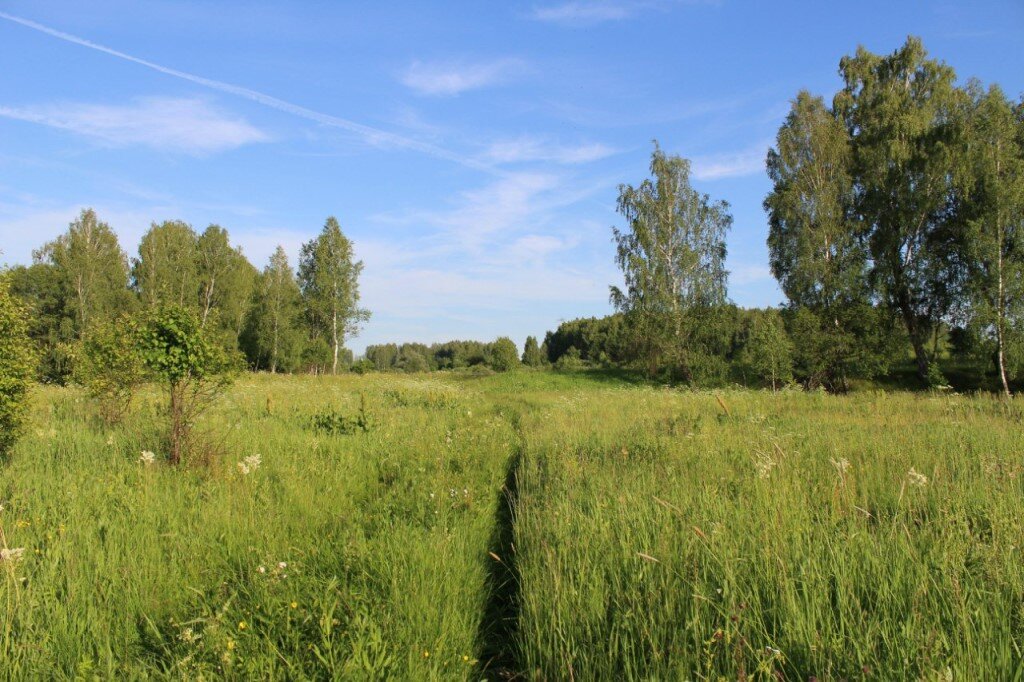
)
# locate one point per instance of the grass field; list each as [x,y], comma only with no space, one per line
[533,524]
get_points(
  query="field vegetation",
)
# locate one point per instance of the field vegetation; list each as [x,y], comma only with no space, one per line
[543,524]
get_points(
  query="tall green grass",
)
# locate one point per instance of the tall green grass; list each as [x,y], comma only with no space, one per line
[874,536]
[551,526]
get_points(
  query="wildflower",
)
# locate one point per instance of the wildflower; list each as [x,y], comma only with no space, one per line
[189,636]
[147,457]
[11,554]
[231,644]
[764,465]
[426,654]
[242,625]
[916,478]
[294,604]
[282,565]
[250,464]
[772,651]
[262,569]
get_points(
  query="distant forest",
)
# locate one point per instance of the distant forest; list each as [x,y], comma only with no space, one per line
[895,230]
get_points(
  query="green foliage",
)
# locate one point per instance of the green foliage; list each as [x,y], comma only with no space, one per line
[329,279]
[51,322]
[175,351]
[593,338]
[532,356]
[17,364]
[91,270]
[167,270]
[902,113]
[502,355]
[672,256]
[993,181]
[768,352]
[108,365]
[274,337]
[335,422]
[570,360]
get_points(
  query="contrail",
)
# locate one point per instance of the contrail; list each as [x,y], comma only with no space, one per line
[372,135]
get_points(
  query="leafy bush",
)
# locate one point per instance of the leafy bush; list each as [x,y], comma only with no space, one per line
[175,351]
[108,366]
[334,422]
[502,355]
[17,362]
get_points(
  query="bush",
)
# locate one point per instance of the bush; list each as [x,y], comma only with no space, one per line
[334,422]
[175,351]
[17,363]
[108,366]
[569,360]
[502,355]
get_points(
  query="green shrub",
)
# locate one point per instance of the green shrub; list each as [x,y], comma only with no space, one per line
[108,366]
[17,362]
[176,352]
[334,422]
[502,355]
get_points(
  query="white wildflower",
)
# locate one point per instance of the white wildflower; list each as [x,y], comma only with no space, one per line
[147,457]
[189,636]
[282,565]
[916,478]
[250,464]
[262,569]
[841,465]
[764,465]
[11,554]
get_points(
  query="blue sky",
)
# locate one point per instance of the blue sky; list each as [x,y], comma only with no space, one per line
[471,150]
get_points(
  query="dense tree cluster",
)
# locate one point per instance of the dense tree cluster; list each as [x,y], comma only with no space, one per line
[500,355]
[83,290]
[899,210]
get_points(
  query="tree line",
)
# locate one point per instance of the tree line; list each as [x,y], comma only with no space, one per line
[896,230]
[895,225]
[83,285]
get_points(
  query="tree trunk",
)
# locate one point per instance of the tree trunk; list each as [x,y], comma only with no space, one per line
[1000,310]
[177,424]
[334,339]
[208,300]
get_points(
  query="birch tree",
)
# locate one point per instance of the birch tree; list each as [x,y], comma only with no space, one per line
[329,278]
[92,270]
[672,257]
[995,203]
[166,272]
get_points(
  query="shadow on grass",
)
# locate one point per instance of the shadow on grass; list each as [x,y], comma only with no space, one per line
[497,634]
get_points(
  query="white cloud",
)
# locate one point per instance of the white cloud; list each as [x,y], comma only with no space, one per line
[454,78]
[584,12]
[730,165]
[528,148]
[191,126]
[371,135]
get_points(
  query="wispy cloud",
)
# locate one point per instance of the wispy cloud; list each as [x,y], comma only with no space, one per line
[369,134]
[584,12]
[528,148]
[730,165]
[588,12]
[191,126]
[450,78]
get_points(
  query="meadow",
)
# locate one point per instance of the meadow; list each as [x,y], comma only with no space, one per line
[532,525]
